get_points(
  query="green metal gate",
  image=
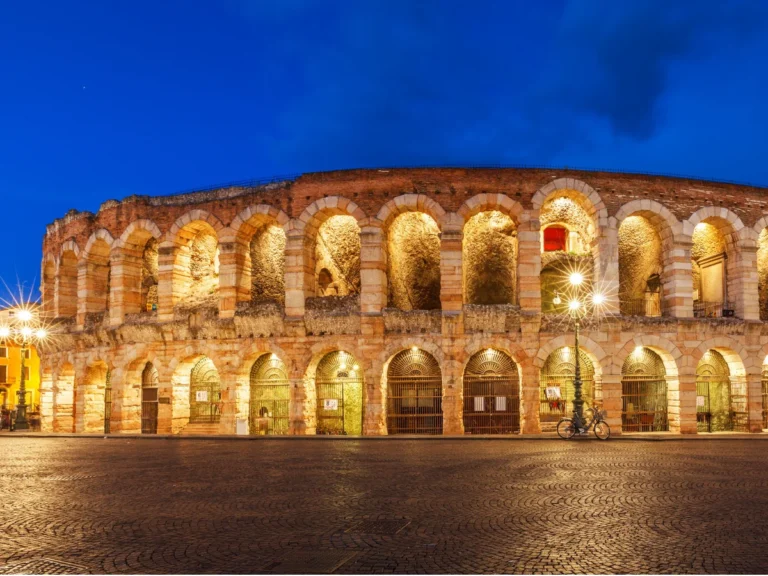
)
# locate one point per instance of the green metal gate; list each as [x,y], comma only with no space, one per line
[339,389]
[414,394]
[107,403]
[149,405]
[721,399]
[491,394]
[556,384]
[644,393]
[204,393]
[270,396]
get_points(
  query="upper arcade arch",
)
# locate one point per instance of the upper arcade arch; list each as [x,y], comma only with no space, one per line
[95,275]
[136,269]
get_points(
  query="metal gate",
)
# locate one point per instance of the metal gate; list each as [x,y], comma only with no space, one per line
[414,394]
[491,394]
[204,393]
[765,397]
[107,403]
[339,388]
[270,394]
[556,383]
[721,399]
[644,393]
[149,405]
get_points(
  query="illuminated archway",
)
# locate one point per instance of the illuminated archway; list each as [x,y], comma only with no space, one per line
[414,393]
[149,399]
[489,256]
[491,394]
[721,394]
[413,241]
[204,393]
[339,390]
[644,392]
[556,383]
[270,396]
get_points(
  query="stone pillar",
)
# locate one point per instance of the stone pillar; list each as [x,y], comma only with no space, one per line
[298,275]
[229,272]
[46,399]
[453,395]
[165,276]
[227,422]
[375,413]
[611,386]
[605,254]
[529,263]
[125,286]
[373,270]
[451,281]
[82,292]
[529,398]
[745,282]
[165,399]
[755,401]
[677,280]
[687,394]
[302,408]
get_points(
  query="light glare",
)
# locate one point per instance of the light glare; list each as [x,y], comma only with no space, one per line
[574,305]
[5,331]
[577,278]
[598,299]
[25,315]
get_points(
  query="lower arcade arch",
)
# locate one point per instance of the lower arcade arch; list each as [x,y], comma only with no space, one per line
[339,391]
[721,395]
[270,396]
[556,384]
[491,394]
[149,399]
[414,393]
[644,392]
[204,393]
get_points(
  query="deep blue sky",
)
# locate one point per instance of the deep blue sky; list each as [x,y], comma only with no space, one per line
[102,100]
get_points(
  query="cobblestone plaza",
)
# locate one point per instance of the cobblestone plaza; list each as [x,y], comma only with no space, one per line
[81,505]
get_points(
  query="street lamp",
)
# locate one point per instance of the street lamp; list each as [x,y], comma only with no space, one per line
[23,329]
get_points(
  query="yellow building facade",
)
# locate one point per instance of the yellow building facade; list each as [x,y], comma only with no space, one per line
[10,372]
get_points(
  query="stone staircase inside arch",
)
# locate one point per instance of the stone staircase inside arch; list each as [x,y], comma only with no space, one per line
[200,429]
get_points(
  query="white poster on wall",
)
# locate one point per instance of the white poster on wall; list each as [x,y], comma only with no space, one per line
[331,404]
[700,401]
[201,396]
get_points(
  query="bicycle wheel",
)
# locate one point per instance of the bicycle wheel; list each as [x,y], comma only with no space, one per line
[565,428]
[602,431]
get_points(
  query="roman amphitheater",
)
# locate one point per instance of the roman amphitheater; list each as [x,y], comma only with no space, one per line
[418,301]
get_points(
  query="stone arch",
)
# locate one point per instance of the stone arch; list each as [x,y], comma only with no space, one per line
[93,410]
[181,384]
[194,244]
[712,300]
[320,210]
[595,352]
[410,203]
[138,265]
[176,236]
[726,402]
[489,202]
[589,198]
[95,274]
[735,354]
[66,280]
[258,234]
[646,240]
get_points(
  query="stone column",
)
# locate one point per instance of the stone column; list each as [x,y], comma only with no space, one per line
[529,263]
[451,281]
[298,276]
[302,407]
[755,401]
[687,394]
[453,396]
[125,285]
[746,280]
[82,292]
[605,254]
[611,386]
[229,272]
[46,399]
[373,270]
[228,383]
[529,398]
[375,414]
[165,276]
[677,280]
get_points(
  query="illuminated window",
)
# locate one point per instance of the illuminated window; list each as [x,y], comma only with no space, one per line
[555,238]
[3,352]
[3,374]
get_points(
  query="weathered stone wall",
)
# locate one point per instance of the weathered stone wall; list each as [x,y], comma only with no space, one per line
[762,271]
[490,259]
[414,262]
[337,257]
[267,249]
[639,256]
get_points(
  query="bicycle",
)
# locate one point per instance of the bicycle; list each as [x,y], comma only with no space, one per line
[594,419]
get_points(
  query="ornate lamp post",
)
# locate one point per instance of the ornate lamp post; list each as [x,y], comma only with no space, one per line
[23,330]
[580,303]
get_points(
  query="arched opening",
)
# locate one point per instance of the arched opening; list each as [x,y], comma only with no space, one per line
[711,260]
[270,396]
[149,399]
[339,391]
[556,384]
[204,393]
[413,242]
[414,393]
[337,257]
[93,400]
[266,269]
[67,289]
[640,268]
[490,259]
[149,276]
[196,266]
[491,394]
[762,273]
[568,240]
[97,278]
[721,394]
[644,392]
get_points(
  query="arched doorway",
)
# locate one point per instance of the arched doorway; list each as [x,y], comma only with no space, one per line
[644,392]
[556,384]
[720,395]
[414,394]
[204,393]
[491,394]
[107,402]
[270,396]
[339,388]
[149,405]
